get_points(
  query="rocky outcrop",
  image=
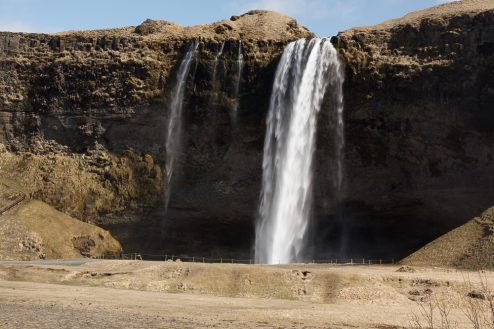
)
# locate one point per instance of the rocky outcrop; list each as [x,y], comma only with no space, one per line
[83,123]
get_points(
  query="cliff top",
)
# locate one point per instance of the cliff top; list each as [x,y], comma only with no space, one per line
[255,24]
[446,10]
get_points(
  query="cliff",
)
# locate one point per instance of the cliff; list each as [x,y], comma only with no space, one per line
[419,127]
[83,123]
[83,117]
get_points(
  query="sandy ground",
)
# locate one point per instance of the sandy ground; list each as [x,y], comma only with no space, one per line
[39,305]
[47,296]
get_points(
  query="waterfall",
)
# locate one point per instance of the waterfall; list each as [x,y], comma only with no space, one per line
[240,67]
[216,62]
[174,134]
[214,79]
[305,70]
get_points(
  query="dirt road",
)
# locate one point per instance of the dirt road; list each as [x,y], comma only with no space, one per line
[78,296]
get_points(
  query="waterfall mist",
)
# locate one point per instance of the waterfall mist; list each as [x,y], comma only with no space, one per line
[303,74]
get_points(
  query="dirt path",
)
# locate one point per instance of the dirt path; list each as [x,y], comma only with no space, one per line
[134,294]
[39,305]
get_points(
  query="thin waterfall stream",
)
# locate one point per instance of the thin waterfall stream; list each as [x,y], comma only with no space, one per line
[303,75]
[175,125]
[240,68]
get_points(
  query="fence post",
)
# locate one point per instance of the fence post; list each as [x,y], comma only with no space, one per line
[363,261]
[172,258]
[221,260]
[250,261]
[193,258]
[369,261]
[351,261]
[203,259]
[380,262]
[232,260]
[166,258]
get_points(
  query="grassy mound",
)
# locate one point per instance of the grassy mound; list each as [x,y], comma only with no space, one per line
[470,246]
[34,229]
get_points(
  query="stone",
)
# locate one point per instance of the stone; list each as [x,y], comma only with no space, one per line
[476,294]
[406,269]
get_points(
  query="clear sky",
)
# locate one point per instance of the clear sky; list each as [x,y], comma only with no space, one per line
[324,17]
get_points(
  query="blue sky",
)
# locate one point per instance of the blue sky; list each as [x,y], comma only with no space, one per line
[324,17]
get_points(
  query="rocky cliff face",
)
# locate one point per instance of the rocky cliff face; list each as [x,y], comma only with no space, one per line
[419,126]
[83,123]
[83,118]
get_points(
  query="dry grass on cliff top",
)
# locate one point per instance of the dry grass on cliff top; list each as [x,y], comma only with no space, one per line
[256,25]
[438,12]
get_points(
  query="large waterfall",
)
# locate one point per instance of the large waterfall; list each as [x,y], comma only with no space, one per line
[174,134]
[305,70]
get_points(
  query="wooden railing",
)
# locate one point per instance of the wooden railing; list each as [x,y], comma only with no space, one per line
[14,203]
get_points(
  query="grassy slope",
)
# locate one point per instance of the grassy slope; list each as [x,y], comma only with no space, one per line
[470,246]
[34,229]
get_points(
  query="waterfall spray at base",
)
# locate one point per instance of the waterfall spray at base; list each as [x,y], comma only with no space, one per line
[174,134]
[305,70]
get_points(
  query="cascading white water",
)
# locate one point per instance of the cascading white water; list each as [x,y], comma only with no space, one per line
[305,70]
[216,61]
[338,77]
[174,134]
[240,68]
[216,85]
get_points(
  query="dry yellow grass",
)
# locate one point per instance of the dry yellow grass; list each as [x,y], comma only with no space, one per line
[470,246]
[34,229]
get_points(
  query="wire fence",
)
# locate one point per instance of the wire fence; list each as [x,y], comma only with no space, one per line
[221,260]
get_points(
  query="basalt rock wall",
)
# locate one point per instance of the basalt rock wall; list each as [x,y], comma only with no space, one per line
[83,123]
[83,118]
[419,101]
